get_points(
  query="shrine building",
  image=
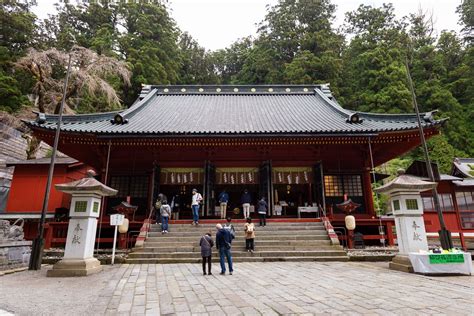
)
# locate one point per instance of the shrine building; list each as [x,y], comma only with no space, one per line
[295,145]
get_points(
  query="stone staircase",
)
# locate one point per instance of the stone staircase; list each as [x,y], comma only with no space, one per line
[278,241]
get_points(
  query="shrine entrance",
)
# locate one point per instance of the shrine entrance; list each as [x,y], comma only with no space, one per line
[298,191]
[177,185]
[234,181]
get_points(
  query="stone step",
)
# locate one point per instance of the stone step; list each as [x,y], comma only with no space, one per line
[272,242]
[186,248]
[191,239]
[173,228]
[239,233]
[269,225]
[257,253]
[237,259]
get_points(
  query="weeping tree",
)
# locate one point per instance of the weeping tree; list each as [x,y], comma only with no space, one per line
[92,75]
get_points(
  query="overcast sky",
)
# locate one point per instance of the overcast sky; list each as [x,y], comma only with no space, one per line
[218,23]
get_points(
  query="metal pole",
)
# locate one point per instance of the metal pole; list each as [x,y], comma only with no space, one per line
[444,234]
[103,199]
[376,194]
[38,243]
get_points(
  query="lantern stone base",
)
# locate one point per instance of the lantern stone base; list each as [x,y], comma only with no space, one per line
[75,268]
[401,263]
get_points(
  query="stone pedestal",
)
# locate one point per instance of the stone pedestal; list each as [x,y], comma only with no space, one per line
[85,208]
[14,254]
[407,206]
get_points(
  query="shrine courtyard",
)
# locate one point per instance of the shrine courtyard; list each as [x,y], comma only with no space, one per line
[278,288]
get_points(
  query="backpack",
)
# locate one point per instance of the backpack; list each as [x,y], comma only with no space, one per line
[230,229]
[250,229]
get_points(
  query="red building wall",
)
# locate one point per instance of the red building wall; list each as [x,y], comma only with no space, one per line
[29,185]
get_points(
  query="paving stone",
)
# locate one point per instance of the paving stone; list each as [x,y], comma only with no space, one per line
[276,288]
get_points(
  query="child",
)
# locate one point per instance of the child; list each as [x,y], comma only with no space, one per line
[206,244]
[249,228]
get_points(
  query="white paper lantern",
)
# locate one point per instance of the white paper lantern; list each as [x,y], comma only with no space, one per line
[124,227]
[350,222]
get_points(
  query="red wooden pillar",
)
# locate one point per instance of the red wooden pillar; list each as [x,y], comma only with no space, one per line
[391,240]
[458,217]
[369,201]
[350,239]
[122,241]
[48,236]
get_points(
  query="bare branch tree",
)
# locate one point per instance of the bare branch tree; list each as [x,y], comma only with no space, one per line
[89,73]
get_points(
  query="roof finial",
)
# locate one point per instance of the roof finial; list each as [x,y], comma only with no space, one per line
[91,173]
[400,171]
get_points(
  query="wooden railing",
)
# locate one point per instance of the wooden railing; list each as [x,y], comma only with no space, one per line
[55,234]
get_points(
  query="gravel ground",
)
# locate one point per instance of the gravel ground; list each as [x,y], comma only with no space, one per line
[32,293]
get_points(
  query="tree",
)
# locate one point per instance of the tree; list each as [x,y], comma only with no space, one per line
[228,62]
[374,62]
[16,34]
[149,44]
[196,65]
[466,19]
[89,74]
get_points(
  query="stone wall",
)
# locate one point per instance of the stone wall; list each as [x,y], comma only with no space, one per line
[14,254]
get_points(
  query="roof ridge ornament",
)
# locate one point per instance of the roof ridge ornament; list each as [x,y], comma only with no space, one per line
[354,118]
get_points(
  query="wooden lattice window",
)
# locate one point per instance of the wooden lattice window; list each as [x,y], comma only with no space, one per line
[338,185]
[95,207]
[396,205]
[135,186]
[412,204]
[80,206]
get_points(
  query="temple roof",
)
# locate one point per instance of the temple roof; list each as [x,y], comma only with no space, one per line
[235,110]
[43,161]
[463,167]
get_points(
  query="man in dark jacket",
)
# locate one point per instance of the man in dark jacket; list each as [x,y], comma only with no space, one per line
[224,244]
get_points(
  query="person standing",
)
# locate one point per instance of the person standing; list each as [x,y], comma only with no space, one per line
[223,200]
[206,244]
[165,211]
[230,227]
[159,201]
[262,211]
[245,201]
[249,228]
[224,245]
[175,206]
[195,203]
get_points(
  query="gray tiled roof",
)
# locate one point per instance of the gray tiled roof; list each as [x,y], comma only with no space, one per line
[228,110]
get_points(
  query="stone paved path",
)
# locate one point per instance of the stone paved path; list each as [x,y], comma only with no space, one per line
[288,288]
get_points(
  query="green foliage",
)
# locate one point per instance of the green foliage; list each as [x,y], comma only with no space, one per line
[441,152]
[11,97]
[471,171]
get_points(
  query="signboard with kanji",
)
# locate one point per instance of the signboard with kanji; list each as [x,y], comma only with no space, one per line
[446,258]
[116,219]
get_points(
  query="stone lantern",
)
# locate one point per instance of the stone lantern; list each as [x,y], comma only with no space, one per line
[85,209]
[407,206]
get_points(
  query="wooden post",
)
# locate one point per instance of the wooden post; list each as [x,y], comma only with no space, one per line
[369,201]
[48,236]
[350,239]
[391,240]
[122,241]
